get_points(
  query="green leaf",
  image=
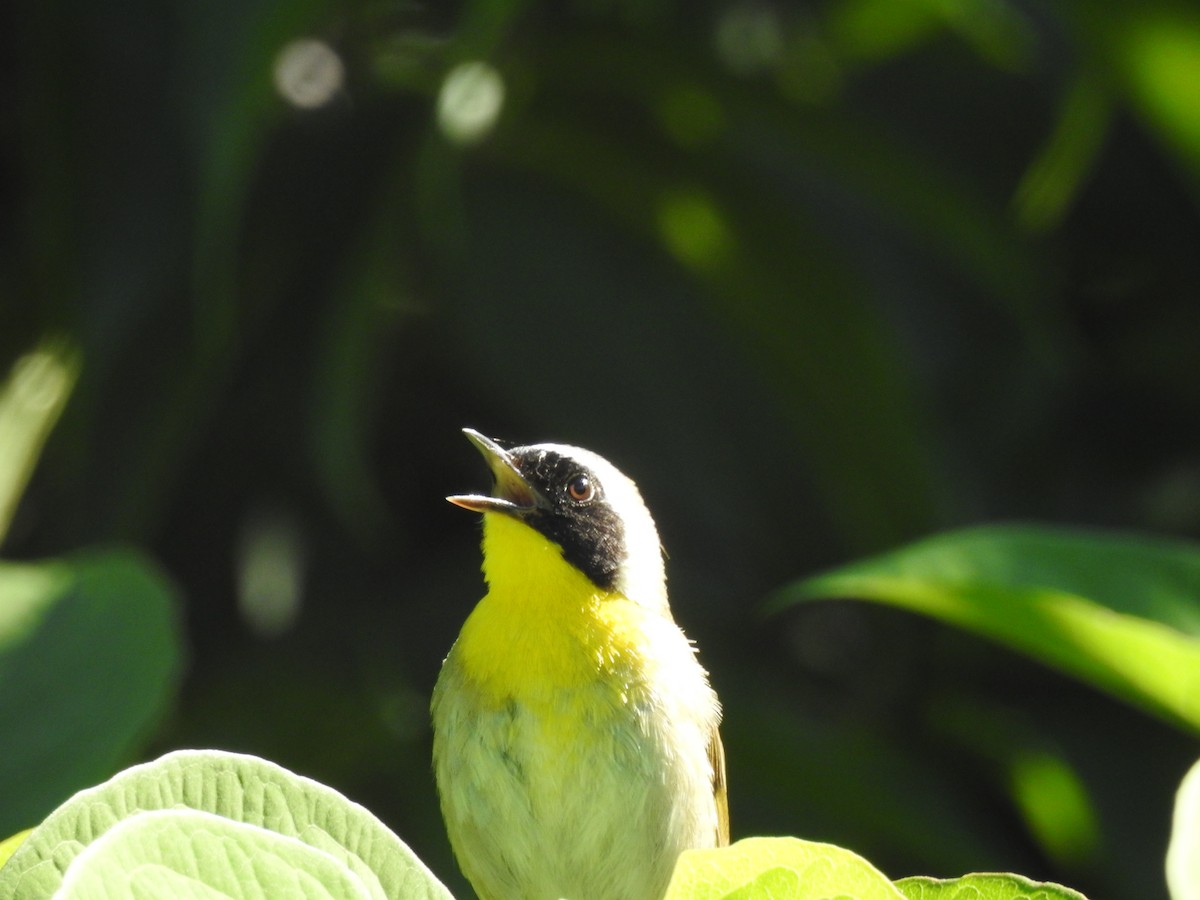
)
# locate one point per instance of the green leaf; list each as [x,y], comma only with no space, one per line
[9,845]
[89,658]
[31,400]
[237,826]
[984,887]
[1055,178]
[777,868]
[773,883]
[173,853]
[1157,51]
[1183,854]
[1117,611]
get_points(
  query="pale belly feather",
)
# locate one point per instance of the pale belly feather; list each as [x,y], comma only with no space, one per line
[575,794]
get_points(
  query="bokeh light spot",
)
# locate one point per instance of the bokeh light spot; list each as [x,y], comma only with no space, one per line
[308,73]
[470,101]
[749,39]
[694,229]
[1056,806]
[270,576]
[692,117]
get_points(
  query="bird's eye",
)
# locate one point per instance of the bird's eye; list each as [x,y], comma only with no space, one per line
[580,489]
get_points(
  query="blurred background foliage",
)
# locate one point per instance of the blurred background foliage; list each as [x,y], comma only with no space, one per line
[823,277]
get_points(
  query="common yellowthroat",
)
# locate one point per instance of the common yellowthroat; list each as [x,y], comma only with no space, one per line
[575,734]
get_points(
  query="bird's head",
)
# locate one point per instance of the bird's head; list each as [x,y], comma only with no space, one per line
[583,505]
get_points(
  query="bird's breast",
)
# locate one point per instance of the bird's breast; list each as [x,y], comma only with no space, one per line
[535,649]
[544,626]
[546,787]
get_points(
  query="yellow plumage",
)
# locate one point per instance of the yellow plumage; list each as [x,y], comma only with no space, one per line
[543,624]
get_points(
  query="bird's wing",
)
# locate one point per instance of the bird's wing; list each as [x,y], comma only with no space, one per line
[716,756]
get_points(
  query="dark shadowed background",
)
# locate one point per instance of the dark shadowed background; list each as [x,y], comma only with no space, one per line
[822,277]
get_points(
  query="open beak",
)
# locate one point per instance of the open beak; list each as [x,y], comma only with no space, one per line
[511,494]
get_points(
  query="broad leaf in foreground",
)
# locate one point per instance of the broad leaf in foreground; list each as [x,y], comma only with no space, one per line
[179,852]
[1117,611]
[778,867]
[999,886]
[202,823]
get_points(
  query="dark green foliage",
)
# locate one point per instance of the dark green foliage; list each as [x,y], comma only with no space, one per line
[824,279]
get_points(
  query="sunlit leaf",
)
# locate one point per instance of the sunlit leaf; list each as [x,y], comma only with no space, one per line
[9,845]
[761,868]
[214,824]
[178,852]
[1160,53]
[984,887]
[1183,855]
[1119,612]
[30,402]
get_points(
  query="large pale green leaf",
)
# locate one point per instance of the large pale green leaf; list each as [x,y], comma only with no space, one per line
[984,887]
[1183,855]
[238,827]
[778,868]
[1120,612]
[186,852]
[89,658]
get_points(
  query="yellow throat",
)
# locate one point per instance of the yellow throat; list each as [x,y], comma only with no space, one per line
[543,625]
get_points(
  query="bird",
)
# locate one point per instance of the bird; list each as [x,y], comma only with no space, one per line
[575,734]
